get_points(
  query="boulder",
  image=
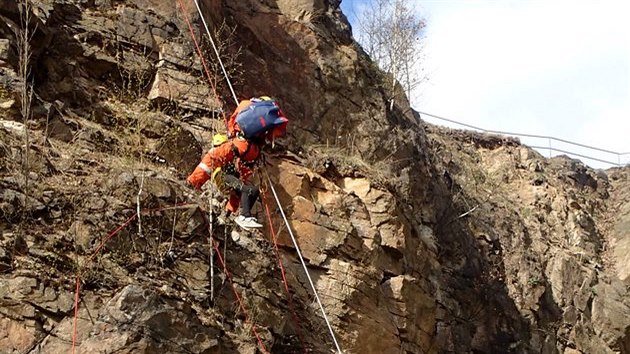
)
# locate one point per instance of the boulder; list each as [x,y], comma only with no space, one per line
[18,336]
[180,149]
[5,49]
[185,90]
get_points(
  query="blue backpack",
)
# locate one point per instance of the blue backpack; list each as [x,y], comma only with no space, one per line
[261,117]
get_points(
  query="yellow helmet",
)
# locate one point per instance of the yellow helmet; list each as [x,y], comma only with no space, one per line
[219,139]
[265,98]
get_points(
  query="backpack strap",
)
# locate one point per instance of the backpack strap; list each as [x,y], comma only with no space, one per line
[236,151]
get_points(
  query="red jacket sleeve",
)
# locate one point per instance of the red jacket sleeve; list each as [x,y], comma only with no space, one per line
[219,156]
[216,157]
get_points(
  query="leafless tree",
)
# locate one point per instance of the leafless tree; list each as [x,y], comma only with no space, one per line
[24,36]
[391,32]
[230,52]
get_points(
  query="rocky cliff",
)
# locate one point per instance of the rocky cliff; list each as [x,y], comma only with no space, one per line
[419,239]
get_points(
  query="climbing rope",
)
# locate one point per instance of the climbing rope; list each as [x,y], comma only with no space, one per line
[76,314]
[214,88]
[115,232]
[96,251]
[297,249]
[238,297]
[282,271]
[216,51]
[227,78]
[199,52]
[79,273]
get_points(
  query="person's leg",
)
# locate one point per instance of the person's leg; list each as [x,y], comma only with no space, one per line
[249,195]
[234,185]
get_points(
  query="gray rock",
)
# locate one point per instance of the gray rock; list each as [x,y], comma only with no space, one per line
[156,188]
[83,234]
[5,49]
[180,149]
[153,125]
[173,85]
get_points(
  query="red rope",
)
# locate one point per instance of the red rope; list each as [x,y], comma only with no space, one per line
[130,219]
[114,233]
[214,88]
[284,277]
[76,312]
[110,236]
[89,260]
[200,54]
[238,297]
[97,250]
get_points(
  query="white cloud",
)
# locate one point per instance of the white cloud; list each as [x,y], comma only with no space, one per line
[543,67]
[546,67]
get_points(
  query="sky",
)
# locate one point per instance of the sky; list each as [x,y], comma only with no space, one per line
[545,67]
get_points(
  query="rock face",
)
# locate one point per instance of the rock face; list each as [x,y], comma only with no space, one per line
[551,230]
[418,239]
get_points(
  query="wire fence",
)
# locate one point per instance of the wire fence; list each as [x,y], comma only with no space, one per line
[623,158]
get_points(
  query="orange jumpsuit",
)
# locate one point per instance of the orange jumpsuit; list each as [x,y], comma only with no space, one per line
[237,150]
[243,153]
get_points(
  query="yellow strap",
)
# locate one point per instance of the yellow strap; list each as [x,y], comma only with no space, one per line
[216,172]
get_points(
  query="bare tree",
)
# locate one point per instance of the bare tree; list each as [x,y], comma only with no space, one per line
[391,33]
[229,51]
[24,36]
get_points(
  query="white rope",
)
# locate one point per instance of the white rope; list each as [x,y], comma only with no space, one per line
[211,240]
[216,51]
[297,248]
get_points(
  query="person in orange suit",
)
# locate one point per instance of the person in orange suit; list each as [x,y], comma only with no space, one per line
[232,159]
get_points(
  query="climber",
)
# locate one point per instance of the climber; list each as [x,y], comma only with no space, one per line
[231,160]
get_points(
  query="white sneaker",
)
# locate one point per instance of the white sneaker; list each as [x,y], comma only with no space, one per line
[247,222]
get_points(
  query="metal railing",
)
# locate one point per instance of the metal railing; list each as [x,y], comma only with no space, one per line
[548,138]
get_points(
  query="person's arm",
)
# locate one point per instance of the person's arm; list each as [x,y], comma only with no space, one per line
[216,157]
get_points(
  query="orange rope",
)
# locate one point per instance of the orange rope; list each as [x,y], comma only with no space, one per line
[91,258]
[200,54]
[238,297]
[114,233]
[76,312]
[282,271]
[110,236]
[130,219]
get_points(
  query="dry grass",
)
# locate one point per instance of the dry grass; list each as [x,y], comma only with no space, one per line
[348,162]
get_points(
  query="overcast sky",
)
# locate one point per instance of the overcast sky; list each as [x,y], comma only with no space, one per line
[544,67]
